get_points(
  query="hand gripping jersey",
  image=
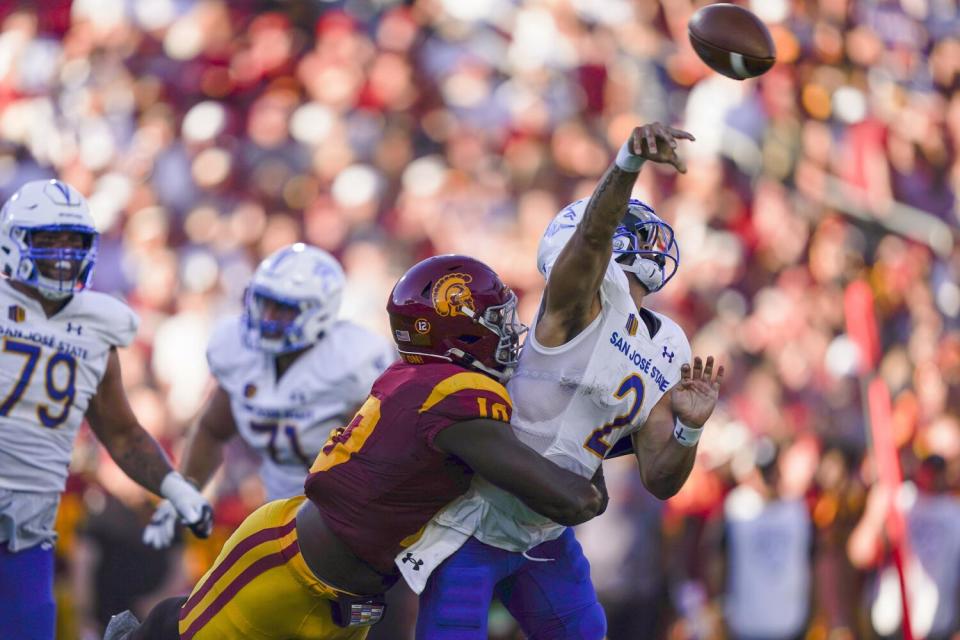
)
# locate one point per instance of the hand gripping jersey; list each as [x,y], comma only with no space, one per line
[288,420]
[49,370]
[572,403]
[380,479]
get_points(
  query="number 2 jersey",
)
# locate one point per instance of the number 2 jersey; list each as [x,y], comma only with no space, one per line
[49,370]
[380,479]
[287,420]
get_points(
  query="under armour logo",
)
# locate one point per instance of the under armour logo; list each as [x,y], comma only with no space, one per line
[71,327]
[416,563]
[668,354]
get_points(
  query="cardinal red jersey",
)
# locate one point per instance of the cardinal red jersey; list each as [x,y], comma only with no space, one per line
[380,479]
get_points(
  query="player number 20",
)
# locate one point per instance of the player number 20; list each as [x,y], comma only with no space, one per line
[60,387]
[596,442]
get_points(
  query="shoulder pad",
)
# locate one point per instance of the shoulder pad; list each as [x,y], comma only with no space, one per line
[110,317]
[225,349]
[468,395]
[672,335]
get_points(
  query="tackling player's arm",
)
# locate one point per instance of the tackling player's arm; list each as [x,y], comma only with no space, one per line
[571,300]
[203,453]
[138,454]
[601,484]
[492,450]
[665,462]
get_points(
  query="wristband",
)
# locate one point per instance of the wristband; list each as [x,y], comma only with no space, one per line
[686,436]
[176,488]
[628,161]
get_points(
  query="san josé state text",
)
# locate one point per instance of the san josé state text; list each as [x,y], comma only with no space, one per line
[639,360]
[46,340]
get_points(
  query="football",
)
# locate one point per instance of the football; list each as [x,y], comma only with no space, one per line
[731,41]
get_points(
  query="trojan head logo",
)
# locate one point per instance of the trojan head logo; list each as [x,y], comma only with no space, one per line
[451,293]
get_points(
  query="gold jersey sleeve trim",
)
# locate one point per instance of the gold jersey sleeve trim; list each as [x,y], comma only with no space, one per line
[461,382]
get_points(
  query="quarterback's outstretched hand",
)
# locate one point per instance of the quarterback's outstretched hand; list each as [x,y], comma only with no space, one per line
[160,532]
[695,396]
[658,143]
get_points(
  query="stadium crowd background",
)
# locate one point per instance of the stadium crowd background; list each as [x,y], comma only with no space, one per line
[207,134]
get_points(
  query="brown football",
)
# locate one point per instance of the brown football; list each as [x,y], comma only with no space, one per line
[731,41]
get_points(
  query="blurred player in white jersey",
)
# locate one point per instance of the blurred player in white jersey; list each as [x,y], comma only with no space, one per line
[597,367]
[59,365]
[765,570]
[288,372]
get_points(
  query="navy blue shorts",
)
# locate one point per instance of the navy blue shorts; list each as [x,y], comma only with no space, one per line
[551,596]
[27,610]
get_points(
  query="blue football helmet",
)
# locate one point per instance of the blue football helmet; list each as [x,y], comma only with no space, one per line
[56,272]
[644,245]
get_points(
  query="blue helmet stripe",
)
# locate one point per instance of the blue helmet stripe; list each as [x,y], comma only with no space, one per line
[63,189]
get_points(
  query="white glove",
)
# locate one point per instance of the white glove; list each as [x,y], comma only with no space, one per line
[163,525]
[191,506]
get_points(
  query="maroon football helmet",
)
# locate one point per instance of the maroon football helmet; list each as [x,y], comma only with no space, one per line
[457,309]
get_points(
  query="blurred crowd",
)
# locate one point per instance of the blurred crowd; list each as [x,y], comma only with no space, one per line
[208,133]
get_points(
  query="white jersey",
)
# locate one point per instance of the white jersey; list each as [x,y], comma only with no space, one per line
[287,420]
[768,568]
[573,402]
[49,370]
[933,582]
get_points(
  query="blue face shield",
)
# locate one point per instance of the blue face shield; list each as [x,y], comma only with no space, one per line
[644,245]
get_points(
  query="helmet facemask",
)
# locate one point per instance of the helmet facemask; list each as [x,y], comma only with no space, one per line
[644,245]
[504,321]
[56,272]
[282,330]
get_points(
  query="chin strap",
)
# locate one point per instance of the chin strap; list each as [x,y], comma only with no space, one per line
[423,354]
[465,359]
[648,272]
[470,361]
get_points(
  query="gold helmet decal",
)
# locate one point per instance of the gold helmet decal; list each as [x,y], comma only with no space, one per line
[451,293]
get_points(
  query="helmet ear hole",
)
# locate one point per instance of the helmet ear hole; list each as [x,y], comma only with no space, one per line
[468,339]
